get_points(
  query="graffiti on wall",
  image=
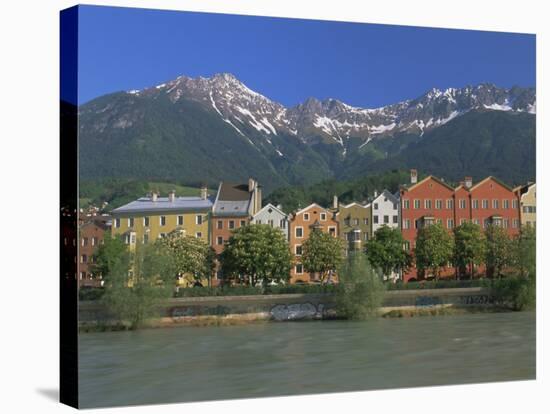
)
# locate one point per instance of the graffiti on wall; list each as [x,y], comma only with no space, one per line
[301,311]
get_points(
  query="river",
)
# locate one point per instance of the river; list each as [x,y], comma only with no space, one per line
[289,358]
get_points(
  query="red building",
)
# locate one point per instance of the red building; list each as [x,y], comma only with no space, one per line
[92,233]
[433,201]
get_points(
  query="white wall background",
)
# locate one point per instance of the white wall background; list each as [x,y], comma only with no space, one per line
[29,203]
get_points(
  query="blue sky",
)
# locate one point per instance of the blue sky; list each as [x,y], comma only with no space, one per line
[289,60]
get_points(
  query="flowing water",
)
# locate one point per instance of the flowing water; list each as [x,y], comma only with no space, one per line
[289,358]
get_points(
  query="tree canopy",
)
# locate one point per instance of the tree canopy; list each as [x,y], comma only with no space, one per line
[322,254]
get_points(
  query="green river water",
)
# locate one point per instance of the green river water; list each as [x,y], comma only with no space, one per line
[289,358]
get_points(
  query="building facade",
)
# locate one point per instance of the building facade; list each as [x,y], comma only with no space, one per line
[385,211]
[354,225]
[274,217]
[528,204]
[152,217]
[430,201]
[91,235]
[302,223]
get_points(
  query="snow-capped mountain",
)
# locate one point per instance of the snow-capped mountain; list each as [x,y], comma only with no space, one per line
[333,120]
[207,129]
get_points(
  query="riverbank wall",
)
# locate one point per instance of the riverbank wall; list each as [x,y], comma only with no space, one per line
[288,307]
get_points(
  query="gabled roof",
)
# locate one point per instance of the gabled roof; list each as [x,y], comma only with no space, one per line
[354,203]
[308,207]
[429,177]
[232,200]
[270,206]
[233,192]
[386,194]
[494,179]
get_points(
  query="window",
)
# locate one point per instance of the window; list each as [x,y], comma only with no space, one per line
[231,224]
[243,223]
[219,240]
[475,221]
[405,204]
[495,204]
[406,224]
[146,221]
[323,216]
[131,222]
[82,275]
[282,223]
[395,206]
[180,220]
[386,219]
[347,221]
[515,223]
[514,203]
[65,241]
[506,223]
[117,223]
[332,231]
[438,204]
[366,221]
[94,241]
[475,204]
[427,204]
[198,219]
[366,236]
[299,232]
[417,204]
[485,204]
[450,204]
[450,223]
[84,241]
[306,216]
[258,221]
[355,222]
[299,268]
[462,203]
[462,221]
[145,238]
[375,219]
[298,250]
[83,259]
[395,219]
[485,223]
[162,220]
[162,235]
[376,206]
[270,222]
[407,245]
[198,235]
[132,238]
[219,224]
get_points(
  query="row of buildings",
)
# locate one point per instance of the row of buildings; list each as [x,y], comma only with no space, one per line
[213,217]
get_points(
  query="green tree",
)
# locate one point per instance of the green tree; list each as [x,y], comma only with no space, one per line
[434,249]
[525,246]
[110,255]
[469,248]
[193,257]
[322,254]
[360,290]
[256,253]
[385,251]
[138,284]
[498,251]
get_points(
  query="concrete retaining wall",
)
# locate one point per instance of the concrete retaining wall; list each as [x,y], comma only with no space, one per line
[297,306]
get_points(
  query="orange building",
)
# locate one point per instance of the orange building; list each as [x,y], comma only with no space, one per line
[91,236]
[302,223]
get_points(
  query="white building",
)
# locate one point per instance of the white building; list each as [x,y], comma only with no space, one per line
[273,216]
[385,211]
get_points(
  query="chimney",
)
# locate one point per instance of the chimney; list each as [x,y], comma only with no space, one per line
[375,193]
[172,196]
[468,182]
[251,185]
[414,176]
[204,192]
[154,196]
[258,198]
[462,183]
[335,202]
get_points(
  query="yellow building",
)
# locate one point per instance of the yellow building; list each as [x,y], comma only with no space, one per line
[355,225]
[148,218]
[528,204]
